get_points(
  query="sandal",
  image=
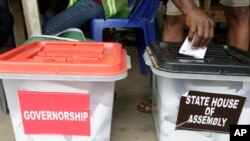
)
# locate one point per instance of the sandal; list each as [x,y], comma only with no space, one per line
[145,106]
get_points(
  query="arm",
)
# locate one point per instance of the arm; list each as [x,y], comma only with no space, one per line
[198,22]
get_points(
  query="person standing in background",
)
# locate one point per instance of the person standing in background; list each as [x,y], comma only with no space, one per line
[181,12]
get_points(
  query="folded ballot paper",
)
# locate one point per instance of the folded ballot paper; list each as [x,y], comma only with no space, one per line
[187,49]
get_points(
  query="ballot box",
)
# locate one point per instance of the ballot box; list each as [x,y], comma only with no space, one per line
[62,91]
[198,99]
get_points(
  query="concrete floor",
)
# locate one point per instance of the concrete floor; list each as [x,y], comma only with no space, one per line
[128,123]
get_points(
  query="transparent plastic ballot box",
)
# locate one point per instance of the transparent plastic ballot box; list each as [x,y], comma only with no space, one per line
[62,91]
[224,72]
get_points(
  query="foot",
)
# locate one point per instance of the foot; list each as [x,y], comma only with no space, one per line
[145,106]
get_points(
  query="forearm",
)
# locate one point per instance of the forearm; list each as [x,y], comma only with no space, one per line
[185,5]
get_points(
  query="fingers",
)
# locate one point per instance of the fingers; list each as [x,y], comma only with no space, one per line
[199,37]
[211,34]
[200,28]
[204,34]
[191,33]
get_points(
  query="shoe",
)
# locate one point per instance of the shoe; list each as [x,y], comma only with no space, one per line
[145,106]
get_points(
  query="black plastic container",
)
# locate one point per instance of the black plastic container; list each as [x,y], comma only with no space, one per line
[219,59]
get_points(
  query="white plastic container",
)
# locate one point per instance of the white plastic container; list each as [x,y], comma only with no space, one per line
[168,87]
[99,87]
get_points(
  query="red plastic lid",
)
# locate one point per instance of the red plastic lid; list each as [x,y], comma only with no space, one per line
[57,57]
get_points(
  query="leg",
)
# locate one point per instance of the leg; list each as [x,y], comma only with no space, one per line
[238,22]
[74,16]
[173,28]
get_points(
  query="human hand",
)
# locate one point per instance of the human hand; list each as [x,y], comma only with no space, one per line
[201,27]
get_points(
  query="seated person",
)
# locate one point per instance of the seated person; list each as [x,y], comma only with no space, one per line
[74,16]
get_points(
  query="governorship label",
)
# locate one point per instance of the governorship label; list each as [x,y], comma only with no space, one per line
[55,112]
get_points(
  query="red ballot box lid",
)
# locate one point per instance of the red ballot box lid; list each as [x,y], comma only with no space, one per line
[59,57]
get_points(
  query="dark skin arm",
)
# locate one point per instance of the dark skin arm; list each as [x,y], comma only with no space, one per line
[198,22]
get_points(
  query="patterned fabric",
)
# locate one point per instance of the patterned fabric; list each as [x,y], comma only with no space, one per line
[115,8]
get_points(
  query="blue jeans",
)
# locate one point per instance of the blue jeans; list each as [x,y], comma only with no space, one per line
[74,16]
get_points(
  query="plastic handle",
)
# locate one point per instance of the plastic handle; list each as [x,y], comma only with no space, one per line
[147,59]
[128,62]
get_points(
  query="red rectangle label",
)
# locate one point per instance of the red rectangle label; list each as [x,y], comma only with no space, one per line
[55,113]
